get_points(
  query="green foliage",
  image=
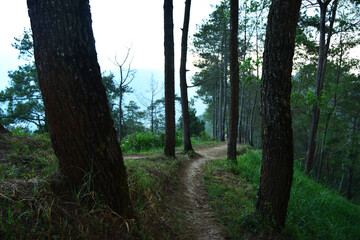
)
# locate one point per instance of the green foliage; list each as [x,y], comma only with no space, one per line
[25,45]
[205,137]
[210,44]
[197,126]
[314,212]
[133,119]
[142,141]
[245,166]
[146,141]
[22,97]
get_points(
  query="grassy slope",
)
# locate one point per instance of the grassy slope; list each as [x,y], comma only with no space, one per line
[30,210]
[314,212]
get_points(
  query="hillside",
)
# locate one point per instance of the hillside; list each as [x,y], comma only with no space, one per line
[200,196]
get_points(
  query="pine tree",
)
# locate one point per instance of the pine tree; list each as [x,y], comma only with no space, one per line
[81,128]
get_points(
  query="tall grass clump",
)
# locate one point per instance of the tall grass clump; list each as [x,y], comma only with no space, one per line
[146,141]
[248,166]
[314,212]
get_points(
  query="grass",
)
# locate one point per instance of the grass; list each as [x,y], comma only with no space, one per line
[314,212]
[29,209]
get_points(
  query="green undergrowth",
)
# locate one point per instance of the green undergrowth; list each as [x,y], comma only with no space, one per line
[149,142]
[29,209]
[314,212]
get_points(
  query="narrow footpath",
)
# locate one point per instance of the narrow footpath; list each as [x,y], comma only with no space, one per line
[194,198]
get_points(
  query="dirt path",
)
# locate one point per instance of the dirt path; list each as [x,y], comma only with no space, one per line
[194,196]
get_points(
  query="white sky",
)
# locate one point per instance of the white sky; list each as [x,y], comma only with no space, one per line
[117,24]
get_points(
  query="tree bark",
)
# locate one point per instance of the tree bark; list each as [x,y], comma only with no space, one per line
[324,45]
[169,145]
[234,79]
[81,128]
[183,85]
[276,130]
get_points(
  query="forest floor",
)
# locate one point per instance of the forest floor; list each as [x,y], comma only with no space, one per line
[169,194]
[191,197]
[187,199]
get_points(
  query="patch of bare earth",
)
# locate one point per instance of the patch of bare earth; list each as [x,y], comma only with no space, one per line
[191,198]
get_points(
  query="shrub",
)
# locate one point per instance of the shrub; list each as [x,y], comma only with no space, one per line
[142,141]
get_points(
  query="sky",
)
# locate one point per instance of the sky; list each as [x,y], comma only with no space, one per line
[117,25]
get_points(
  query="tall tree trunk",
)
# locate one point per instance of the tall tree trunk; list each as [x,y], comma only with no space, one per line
[276,130]
[120,105]
[328,167]
[220,111]
[225,107]
[324,45]
[342,178]
[240,127]
[252,119]
[247,122]
[322,152]
[183,85]
[242,99]
[349,183]
[152,114]
[234,79]
[81,128]
[214,115]
[169,145]
[338,75]
[225,73]
[354,153]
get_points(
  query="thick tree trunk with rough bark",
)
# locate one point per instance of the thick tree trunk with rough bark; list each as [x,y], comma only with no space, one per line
[234,79]
[81,128]
[277,136]
[169,145]
[183,85]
